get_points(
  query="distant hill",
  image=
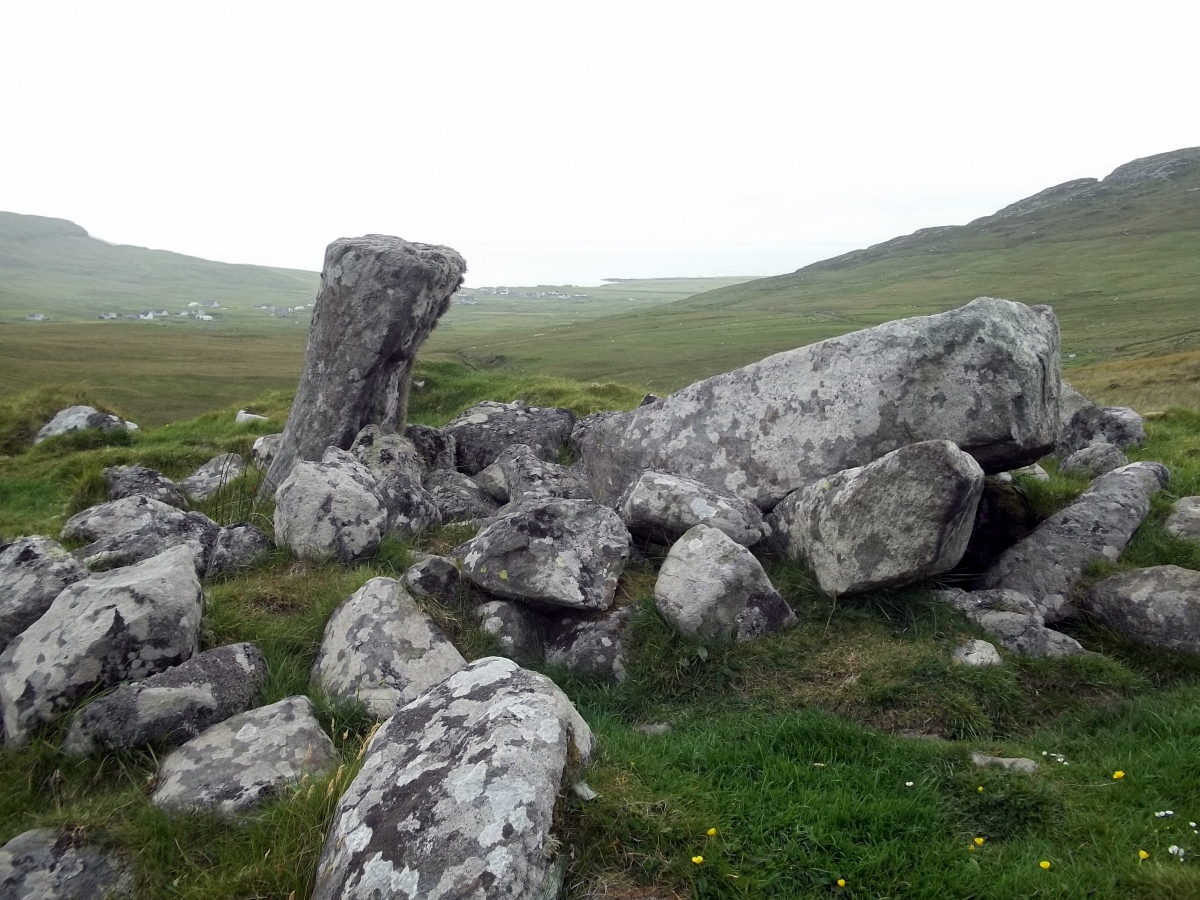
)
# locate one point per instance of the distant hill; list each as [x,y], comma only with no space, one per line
[54,268]
[1119,259]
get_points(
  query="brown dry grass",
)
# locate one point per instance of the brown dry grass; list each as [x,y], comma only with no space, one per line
[1148,384]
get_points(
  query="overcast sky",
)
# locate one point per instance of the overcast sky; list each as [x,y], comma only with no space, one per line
[559,141]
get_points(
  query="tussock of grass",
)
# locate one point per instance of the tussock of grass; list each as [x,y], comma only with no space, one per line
[23,415]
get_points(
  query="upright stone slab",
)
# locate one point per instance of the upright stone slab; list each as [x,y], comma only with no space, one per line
[457,793]
[380,297]
[985,376]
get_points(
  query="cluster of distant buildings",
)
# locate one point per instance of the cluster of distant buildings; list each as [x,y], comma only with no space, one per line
[469,299]
[280,310]
[197,310]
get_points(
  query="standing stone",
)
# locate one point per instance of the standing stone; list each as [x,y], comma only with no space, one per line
[213,475]
[123,625]
[33,571]
[984,376]
[1097,526]
[1157,607]
[484,431]
[457,793]
[324,510]
[381,649]
[138,481]
[380,297]
[43,864]
[663,507]
[903,518]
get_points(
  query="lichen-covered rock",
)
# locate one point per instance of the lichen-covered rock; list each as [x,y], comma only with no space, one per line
[517,628]
[433,576]
[263,452]
[387,454]
[1184,520]
[1013,620]
[458,497]
[1093,460]
[123,625]
[44,864]
[213,475]
[985,376]
[237,547]
[1157,607]
[115,517]
[380,648]
[1011,763]
[549,552]
[901,519]
[138,481]
[1090,424]
[977,653]
[245,417]
[380,297]
[1097,526]
[457,793]
[33,571]
[173,706]
[410,508]
[590,645]
[484,431]
[710,586]
[663,507]
[436,448]
[518,473]
[323,510]
[79,418]
[246,760]
[164,528]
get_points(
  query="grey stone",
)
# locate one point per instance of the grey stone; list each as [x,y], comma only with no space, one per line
[264,450]
[655,729]
[435,447]
[246,760]
[709,585]
[138,481]
[381,649]
[411,509]
[1157,607]
[387,453]
[214,475]
[457,793]
[115,517]
[123,625]
[43,864]
[583,427]
[1093,460]
[590,646]
[173,706]
[1013,620]
[977,653]
[237,547]
[79,418]
[1090,424]
[1012,764]
[516,627]
[133,529]
[549,552]
[433,576]
[901,519]
[1097,526]
[517,474]
[323,510]
[984,376]
[244,417]
[484,431]
[662,507]
[1184,520]
[380,297]
[1005,516]
[458,497]
[33,571]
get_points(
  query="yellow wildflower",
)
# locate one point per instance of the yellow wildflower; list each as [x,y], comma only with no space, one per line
[1142,854]
[841,882]
[712,832]
[697,859]
[979,842]
[1045,864]
[1118,775]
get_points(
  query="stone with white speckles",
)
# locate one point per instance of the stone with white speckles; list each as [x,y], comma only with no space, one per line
[33,571]
[590,646]
[457,793]
[458,497]
[484,431]
[213,475]
[325,510]
[44,864]
[1156,607]
[661,506]
[518,473]
[78,418]
[139,481]
[1093,460]
[1184,520]
[518,628]
[1012,620]
[977,653]
[137,528]
[246,760]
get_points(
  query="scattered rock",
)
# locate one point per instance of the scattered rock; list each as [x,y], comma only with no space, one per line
[1097,526]
[133,529]
[458,791]
[977,653]
[483,432]
[138,481]
[1090,424]
[246,760]
[237,547]
[984,377]
[387,454]
[590,646]
[1184,520]
[244,417]
[33,571]
[43,864]
[264,450]
[78,418]
[123,625]
[518,628]
[518,474]
[1093,460]
[458,497]
[549,552]
[709,584]
[1013,620]
[663,507]
[173,706]
[213,475]
[1012,764]
[380,648]
[323,510]
[655,729]
[433,576]
[411,509]
[1156,607]
[901,519]
[435,447]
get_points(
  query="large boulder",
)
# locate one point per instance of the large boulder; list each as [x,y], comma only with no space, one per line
[123,625]
[1097,526]
[710,586]
[33,571]
[246,760]
[984,377]
[173,706]
[213,475]
[519,473]
[44,864]
[1090,424]
[901,519]
[325,510]
[79,418]
[1012,620]
[458,497]
[1158,607]
[458,792]
[410,508]
[549,553]
[380,297]
[138,481]
[484,431]
[381,649]
[132,529]
[663,507]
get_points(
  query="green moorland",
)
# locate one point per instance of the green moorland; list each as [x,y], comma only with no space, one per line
[830,761]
